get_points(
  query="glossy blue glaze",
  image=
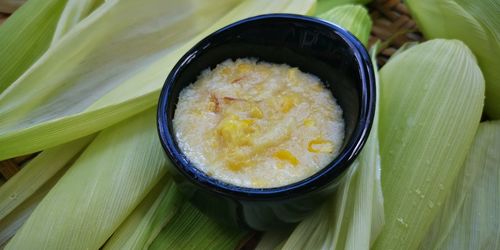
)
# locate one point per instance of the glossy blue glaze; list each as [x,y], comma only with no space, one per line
[314,46]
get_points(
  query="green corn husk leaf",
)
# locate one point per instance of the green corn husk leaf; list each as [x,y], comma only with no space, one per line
[190,229]
[430,106]
[377,216]
[25,36]
[355,215]
[469,218]
[133,92]
[323,6]
[104,185]
[9,6]
[13,221]
[477,24]
[355,17]
[37,172]
[145,223]
[74,12]
[322,230]
[97,55]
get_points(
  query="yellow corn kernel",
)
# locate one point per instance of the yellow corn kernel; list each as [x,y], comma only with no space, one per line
[225,71]
[287,105]
[285,155]
[249,123]
[234,131]
[288,102]
[244,68]
[235,165]
[320,146]
[309,122]
[255,112]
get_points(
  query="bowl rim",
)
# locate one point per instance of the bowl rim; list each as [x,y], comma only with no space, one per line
[317,181]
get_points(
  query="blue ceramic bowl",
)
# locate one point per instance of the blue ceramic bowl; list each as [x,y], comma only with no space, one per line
[314,46]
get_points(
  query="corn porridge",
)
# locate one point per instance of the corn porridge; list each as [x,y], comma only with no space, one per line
[256,124]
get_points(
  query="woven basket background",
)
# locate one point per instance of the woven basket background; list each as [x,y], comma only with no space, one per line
[392,25]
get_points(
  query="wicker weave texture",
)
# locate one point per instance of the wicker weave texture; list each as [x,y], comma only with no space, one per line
[393,26]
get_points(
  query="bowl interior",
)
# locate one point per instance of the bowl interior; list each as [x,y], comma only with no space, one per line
[312,45]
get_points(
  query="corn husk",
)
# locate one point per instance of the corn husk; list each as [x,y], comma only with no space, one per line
[325,5]
[25,36]
[190,229]
[105,184]
[431,103]
[100,93]
[10,223]
[95,57]
[145,223]
[371,157]
[354,17]
[73,13]
[469,218]
[37,172]
[477,24]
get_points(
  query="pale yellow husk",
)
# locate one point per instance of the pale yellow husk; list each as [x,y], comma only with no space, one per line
[14,220]
[477,24]
[73,13]
[25,36]
[430,106]
[36,173]
[99,191]
[326,5]
[143,225]
[95,57]
[190,229]
[469,217]
[354,17]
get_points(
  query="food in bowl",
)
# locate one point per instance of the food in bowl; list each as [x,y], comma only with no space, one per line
[258,124]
